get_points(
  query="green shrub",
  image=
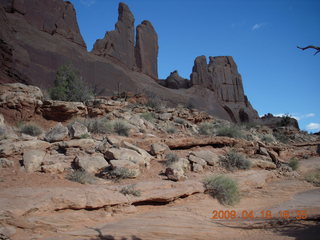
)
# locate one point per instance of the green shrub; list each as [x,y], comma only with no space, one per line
[121,128]
[206,128]
[232,131]
[130,190]
[30,129]
[69,86]
[171,158]
[80,176]
[120,173]
[223,188]
[294,164]
[149,116]
[156,103]
[314,177]
[285,120]
[233,160]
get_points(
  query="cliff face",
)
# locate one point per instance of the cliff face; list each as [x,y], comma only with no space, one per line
[37,37]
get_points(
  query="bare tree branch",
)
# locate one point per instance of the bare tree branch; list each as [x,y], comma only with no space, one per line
[310,46]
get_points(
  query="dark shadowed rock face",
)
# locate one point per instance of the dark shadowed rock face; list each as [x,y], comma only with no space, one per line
[146,51]
[174,81]
[119,44]
[61,19]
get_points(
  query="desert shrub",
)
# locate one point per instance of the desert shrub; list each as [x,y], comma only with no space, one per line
[180,120]
[223,188]
[285,120]
[314,177]
[121,128]
[230,131]
[97,125]
[268,138]
[149,116]
[80,176]
[171,158]
[130,190]
[30,129]
[206,128]
[120,173]
[281,137]
[294,164]
[233,160]
[69,86]
[84,136]
[171,129]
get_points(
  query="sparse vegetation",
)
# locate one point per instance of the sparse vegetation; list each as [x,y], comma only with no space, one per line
[120,173]
[281,137]
[86,135]
[268,138]
[121,128]
[30,129]
[98,125]
[149,116]
[206,128]
[171,158]
[80,176]
[69,86]
[285,120]
[155,103]
[314,177]
[230,131]
[233,160]
[294,164]
[130,190]
[223,188]
[180,120]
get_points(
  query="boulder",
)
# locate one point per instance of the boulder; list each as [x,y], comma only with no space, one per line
[54,168]
[84,144]
[264,164]
[91,163]
[141,151]
[196,160]
[1,120]
[57,133]
[159,148]
[126,154]
[146,50]
[62,111]
[263,151]
[177,170]
[32,160]
[78,130]
[9,148]
[6,163]
[197,168]
[211,158]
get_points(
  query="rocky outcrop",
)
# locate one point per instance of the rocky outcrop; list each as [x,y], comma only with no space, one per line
[146,50]
[119,44]
[175,81]
[61,19]
[276,121]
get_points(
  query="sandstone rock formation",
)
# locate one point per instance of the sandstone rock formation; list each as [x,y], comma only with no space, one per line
[37,38]
[119,44]
[146,50]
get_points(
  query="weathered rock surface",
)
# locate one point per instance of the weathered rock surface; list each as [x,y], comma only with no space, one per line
[91,163]
[57,133]
[32,160]
[19,101]
[175,81]
[78,130]
[127,154]
[13,147]
[209,157]
[5,163]
[119,44]
[61,111]
[146,50]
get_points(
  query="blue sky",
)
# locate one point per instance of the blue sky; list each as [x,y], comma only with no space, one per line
[261,35]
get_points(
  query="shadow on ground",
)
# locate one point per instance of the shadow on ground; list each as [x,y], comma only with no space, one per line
[110,237]
[301,230]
